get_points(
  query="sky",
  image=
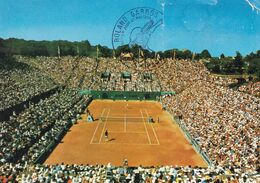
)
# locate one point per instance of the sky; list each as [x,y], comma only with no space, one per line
[221,26]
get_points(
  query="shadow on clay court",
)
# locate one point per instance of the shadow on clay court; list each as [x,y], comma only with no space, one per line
[110,140]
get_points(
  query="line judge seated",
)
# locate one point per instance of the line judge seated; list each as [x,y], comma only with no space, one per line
[149,119]
[89,116]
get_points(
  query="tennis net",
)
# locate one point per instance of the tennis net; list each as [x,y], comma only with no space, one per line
[125,119]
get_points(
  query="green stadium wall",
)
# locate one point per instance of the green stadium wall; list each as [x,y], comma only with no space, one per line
[123,95]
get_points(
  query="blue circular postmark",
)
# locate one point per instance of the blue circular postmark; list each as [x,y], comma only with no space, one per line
[136,26]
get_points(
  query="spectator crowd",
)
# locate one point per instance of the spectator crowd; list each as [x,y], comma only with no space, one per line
[224,122]
[107,173]
[252,88]
[19,82]
[25,136]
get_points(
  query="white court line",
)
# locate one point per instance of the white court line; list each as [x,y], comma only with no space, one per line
[104,126]
[145,128]
[134,144]
[127,132]
[103,112]
[96,128]
[120,117]
[153,129]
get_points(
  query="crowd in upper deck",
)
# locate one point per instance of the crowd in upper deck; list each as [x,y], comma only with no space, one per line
[20,82]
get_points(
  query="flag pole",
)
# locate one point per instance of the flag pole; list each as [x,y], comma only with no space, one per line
[58,51]
[139,54]
[193,56]
[97,51]
[78,50]
[114,54]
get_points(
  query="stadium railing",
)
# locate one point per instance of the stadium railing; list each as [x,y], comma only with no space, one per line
[192,141]
[188,136]
[47,151]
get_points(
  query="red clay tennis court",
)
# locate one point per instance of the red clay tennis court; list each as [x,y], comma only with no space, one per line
[130,136]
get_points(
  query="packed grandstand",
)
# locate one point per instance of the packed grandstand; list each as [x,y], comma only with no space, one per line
[224,122]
